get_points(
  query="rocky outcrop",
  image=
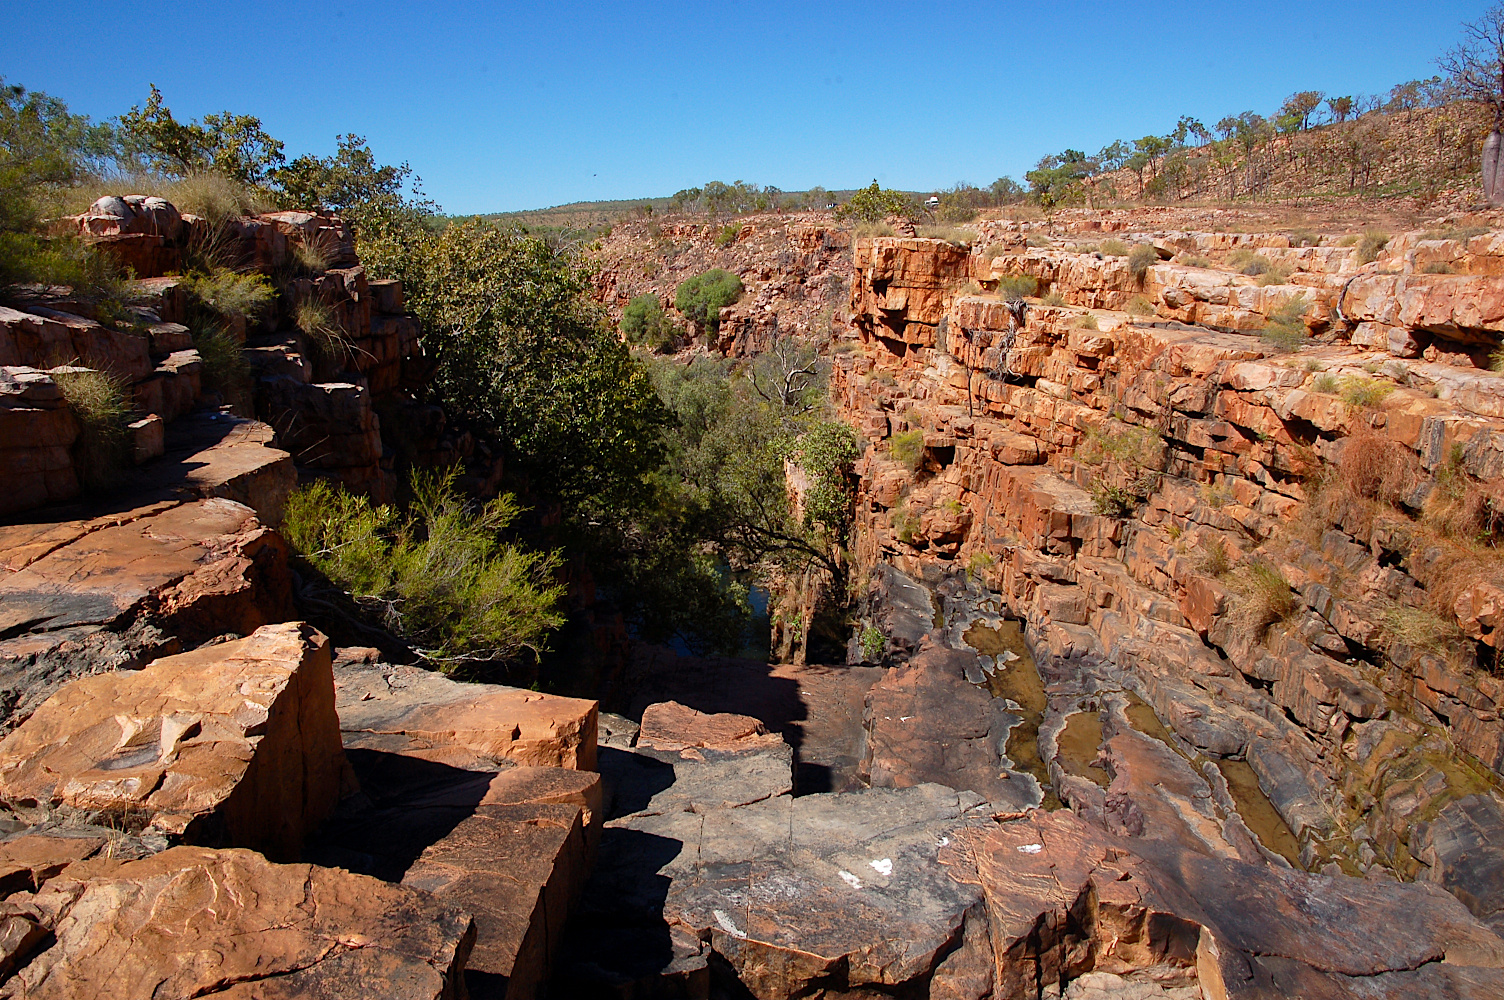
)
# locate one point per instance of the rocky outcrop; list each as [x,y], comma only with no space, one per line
[421,712]
[709,860]
[1063,899]
[795,270]
[119,589]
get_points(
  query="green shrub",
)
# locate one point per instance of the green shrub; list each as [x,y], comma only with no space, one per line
[1017,286]
[1088,321]
[701,298]
[1371,245]
[728,234]
[1114,248]
[317,321]
[1273,274]
[645,324]
[1140,305]
[907,447]
[230,294]
[225,369]
[873,203]
[1325,383]
[1304,238]
[980,563]
[1439,267]
[1196,260]
[905,523]
[1364,393]
[438,577]
[101,403]
[1113,501]
[873,643]
[1053,298]
[1214,558]
[1247,262]
[1140,260]
[869,229]
[1036,240]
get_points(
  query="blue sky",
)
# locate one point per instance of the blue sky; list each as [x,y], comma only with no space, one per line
[503,106]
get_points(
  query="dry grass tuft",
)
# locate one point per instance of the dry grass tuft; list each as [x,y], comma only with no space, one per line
[1265,598]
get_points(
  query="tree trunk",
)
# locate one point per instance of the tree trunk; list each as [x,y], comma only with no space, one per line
[1493,175]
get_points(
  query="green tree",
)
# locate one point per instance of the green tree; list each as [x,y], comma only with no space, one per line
[874,203]
[44,150]
[350,179]
[700,299]
[1057,180]
[234,145]
[522,350]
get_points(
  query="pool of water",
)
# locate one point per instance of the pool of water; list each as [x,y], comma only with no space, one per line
[1076,747]
[1018,680]
[1258,812]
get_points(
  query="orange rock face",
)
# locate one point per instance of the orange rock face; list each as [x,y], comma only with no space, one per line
[235,743]
[192,921]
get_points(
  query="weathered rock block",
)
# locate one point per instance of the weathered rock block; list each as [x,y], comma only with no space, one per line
[231,744]
[194,922]
[430,712]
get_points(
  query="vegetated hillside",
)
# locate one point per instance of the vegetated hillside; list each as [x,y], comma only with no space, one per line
[587,219]
[1430,154]
[796,270]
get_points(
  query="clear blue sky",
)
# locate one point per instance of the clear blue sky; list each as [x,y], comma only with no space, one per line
[502,106]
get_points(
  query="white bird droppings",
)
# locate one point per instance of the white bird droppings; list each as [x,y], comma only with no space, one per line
[850,879]
[1031,848]
[883,866]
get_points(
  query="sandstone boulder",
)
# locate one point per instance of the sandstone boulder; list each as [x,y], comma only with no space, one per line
[234,744]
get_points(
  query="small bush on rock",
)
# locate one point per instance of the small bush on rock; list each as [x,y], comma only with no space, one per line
[1017,286]
[1140,260]
[1266,598]
[907,447]
[1140,305]
[645,324]
[1371,245]
[1114,248]
[100,402]
[1360,392]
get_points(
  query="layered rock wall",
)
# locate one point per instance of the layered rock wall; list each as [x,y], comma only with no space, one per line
[1125,480]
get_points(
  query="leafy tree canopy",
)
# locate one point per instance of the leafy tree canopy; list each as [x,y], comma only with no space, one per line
[874,203]
[234,145]
[701,298]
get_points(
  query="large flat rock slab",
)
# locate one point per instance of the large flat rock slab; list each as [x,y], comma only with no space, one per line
[194,922]
[927,723]
[1065,898]
[420,710]
[209,565]
[709,858]
[232,744]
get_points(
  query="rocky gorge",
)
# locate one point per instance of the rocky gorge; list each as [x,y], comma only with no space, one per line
[1171,675]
